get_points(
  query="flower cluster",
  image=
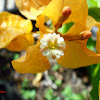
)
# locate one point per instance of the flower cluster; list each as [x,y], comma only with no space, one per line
[68,49]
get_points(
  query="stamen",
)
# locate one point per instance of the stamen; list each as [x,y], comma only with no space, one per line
[52,45]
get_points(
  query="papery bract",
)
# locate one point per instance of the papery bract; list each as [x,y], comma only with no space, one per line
[31,8]
[14,32]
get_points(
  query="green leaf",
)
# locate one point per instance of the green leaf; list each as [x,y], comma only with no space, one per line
[91,44]
[16,56]
[92,3]
[49,94]
[28,94]
[56,98]
[77,97]
[95,82]
[65,27]
[67,92]
[56,67]
[25,83]
[86,95]
[95,13]
[58,82]
[52,77]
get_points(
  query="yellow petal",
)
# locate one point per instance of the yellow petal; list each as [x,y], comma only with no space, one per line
[32,62]
[79,10]
[40,24]
[21,42]
[31,8]
[7,35]
[90,22]
[77,55]
[75,30]
[12,26]
[53,10]
[15,21]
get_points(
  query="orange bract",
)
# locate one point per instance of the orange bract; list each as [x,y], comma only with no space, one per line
[21,42]
[32,62]
[79,11]
[31,8]
[77,55]
[13,27]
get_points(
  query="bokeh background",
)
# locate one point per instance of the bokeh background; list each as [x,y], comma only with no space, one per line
[58,83]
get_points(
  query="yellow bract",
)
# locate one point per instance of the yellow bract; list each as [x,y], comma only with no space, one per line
[32,62]
[21,42]
[31,8]
[79,11]
[79,15]
[77,55]
[14,32]
[90,23]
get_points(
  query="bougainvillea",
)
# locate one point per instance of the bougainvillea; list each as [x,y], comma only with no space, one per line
[75,53]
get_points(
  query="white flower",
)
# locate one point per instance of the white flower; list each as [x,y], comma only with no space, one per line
[52,46]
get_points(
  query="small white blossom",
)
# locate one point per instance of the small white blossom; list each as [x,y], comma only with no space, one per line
[52,46]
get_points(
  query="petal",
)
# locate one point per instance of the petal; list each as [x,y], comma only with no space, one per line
[74,32]
[7,35]
[11,26]
[31,8]
[32,62]
[11,20]
[53,10]
[90,22]
[79,10]
[77,55]
[21,42]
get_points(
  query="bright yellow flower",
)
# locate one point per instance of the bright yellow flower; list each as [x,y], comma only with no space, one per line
[15,32]
[75,53]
